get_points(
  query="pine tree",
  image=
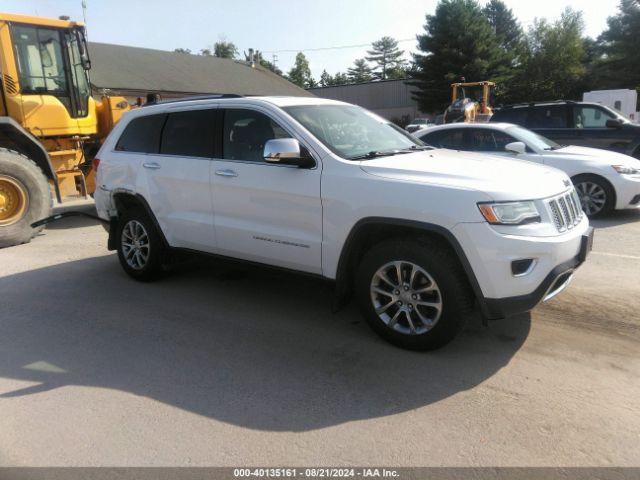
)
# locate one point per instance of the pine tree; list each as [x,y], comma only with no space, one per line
[326,80]
[387,57]
[360,72]
[458,41]
[619,66]
[340,79]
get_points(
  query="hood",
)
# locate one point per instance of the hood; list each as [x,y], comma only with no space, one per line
[499,178]
[596,155]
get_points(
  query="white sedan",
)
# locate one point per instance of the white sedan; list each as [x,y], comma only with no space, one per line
[604,180]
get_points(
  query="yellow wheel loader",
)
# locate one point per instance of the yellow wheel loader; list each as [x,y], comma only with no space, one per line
[50,125]
[470,102]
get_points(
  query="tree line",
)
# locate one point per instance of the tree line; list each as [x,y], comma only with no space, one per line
[549,60]
[383,62]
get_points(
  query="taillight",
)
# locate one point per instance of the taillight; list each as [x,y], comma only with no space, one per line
[95,163]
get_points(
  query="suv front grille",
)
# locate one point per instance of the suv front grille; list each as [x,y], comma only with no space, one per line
[565,210]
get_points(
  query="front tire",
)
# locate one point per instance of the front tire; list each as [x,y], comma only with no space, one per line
[413,294]
[140,247]
[25,197]
[596,195]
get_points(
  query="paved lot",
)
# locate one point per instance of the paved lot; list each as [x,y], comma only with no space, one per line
[219,365]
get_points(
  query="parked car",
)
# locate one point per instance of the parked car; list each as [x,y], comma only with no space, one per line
[604,180]
[418,124]
[323,187]
[576,123]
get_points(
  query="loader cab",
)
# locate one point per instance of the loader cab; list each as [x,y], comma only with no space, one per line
[45,67]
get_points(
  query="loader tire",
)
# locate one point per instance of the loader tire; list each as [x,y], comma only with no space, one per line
[25,197]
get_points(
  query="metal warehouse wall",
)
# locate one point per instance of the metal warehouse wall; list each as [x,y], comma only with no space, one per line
[388,98]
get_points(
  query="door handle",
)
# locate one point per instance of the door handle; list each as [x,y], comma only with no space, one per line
[226,173]
[151,165]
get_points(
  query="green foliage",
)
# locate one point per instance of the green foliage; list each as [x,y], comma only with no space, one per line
[223,49]
[387,58]
[360,72]
[182,50]
[618,63]
[300,74]
[340,79]
[458,41]
[553,64]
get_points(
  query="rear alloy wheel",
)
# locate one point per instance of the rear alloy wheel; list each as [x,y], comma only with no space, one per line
[596,196]
[135,244]
[140,247]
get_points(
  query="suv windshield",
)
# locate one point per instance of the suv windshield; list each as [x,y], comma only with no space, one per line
[353,132]
[532,139]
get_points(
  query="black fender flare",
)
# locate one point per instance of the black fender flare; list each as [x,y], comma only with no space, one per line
[14,137]
[350,247]
[142,202]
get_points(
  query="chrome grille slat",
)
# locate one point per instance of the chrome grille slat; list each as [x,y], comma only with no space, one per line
[565,211]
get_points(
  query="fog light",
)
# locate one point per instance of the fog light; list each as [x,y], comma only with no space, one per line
[522,267]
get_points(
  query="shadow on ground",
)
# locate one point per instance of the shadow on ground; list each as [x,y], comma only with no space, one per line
[255,348]
[616,218]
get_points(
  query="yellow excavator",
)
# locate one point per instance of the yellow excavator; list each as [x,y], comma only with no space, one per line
[470,102]
[51,127]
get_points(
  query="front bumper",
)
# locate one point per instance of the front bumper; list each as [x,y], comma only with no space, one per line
[490,255]
[554,283]
[627,189]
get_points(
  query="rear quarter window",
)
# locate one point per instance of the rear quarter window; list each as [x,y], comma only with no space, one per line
[517,116]
[142,135]
[189,133]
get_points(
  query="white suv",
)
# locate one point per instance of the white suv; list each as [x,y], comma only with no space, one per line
[420,235]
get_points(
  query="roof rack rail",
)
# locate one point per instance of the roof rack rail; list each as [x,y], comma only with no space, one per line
[541,102]
[190,98]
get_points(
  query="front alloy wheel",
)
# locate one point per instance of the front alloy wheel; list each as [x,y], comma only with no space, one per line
[406,298]
[413,292]
[593,197]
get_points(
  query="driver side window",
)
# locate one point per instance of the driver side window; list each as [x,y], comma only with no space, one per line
[246,132]
[591,117]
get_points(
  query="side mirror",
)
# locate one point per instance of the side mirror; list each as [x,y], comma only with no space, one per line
[286,151]
[518,148]
[613,123]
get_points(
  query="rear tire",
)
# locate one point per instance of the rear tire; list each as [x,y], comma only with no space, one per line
[25,197]
[140,246]
[428,307]
[597,196]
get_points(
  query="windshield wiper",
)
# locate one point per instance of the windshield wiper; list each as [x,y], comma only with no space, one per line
[377,154]
[417,148]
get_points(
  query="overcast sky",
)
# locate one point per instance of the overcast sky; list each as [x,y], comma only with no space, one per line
[277,25]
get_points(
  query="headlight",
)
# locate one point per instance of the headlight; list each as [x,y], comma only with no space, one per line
[626,170]
[509,213]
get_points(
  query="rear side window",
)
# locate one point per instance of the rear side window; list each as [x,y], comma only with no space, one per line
[486,140]
[452,139]
[189,134]
[142,135]
[548,116]
[517,116]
